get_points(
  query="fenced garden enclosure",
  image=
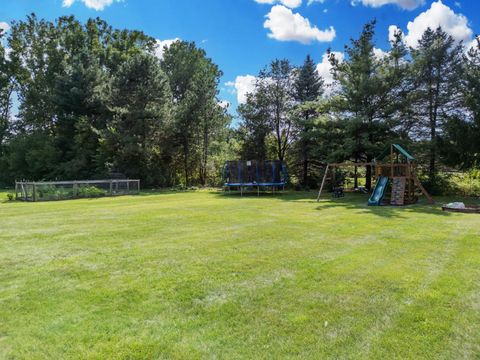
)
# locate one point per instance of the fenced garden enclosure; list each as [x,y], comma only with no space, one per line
[64,190]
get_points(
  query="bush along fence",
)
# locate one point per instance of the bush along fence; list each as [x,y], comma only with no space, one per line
[64,190]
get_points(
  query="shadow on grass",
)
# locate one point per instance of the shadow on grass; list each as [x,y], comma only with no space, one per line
[354,202]
[384,211]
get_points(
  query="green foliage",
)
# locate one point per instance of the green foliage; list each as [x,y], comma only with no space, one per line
[198,117]
[308,88]
[51,192]
[267,112]
[95,100]
[436,70]
[10,196]
[140,107]
[362,103]
[90,191]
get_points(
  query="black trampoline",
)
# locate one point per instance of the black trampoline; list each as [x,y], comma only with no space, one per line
[255,174]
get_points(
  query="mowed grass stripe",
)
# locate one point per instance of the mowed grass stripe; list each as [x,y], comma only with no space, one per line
[208,275]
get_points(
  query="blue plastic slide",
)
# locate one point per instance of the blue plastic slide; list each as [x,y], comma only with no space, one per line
[379,192]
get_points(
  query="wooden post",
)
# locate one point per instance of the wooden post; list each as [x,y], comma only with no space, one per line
[391,161]
[128,186]
[22,186]
[334,177]
[16,190]
[111,187]
[75,189]
[323,183]
[424,191]
[34,192]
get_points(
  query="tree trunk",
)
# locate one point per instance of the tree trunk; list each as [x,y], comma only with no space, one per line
[305,153]
[434,99]
[433,151]
[203,165]
[305,171]
[185,164]
[368,176]
[355,184]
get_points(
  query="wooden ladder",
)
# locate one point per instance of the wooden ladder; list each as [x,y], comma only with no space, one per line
[323,183]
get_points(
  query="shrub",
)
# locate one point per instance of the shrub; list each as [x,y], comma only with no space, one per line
[90,191]
[10,196]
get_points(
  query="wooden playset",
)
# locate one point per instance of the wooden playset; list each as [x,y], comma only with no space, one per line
[395,174]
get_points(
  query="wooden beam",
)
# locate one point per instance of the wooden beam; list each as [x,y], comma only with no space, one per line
[323,183]
[352,164]
[424,191]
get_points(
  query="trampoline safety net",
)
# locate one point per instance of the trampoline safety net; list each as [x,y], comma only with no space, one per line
[255,173]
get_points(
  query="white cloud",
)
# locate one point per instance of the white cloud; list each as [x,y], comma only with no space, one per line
[404,4]
[392,31]
[162,45]
[289,3]
[284,25]
[324,69]
[243,85]
[310,2]
[91,4]
[439,14]
[224,104]
[4,26]
[379,53]
[67,3]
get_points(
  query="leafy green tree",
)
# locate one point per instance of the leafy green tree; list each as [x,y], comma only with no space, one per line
[255,127]
[276,84]
[6,91]
[268,111]
[62,72]
[193,79]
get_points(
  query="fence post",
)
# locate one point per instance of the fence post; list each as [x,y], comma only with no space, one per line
[34,192]
[128,186]
[111,187]
[75,189]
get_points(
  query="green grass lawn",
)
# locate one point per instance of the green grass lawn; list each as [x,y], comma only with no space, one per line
[204,275]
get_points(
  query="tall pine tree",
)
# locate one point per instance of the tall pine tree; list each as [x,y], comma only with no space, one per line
[308,88]
[436,67]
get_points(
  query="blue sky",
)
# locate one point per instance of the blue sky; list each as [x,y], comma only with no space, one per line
[242,36]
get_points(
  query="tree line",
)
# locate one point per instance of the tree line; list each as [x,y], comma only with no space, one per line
[425,98]
[94,101]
